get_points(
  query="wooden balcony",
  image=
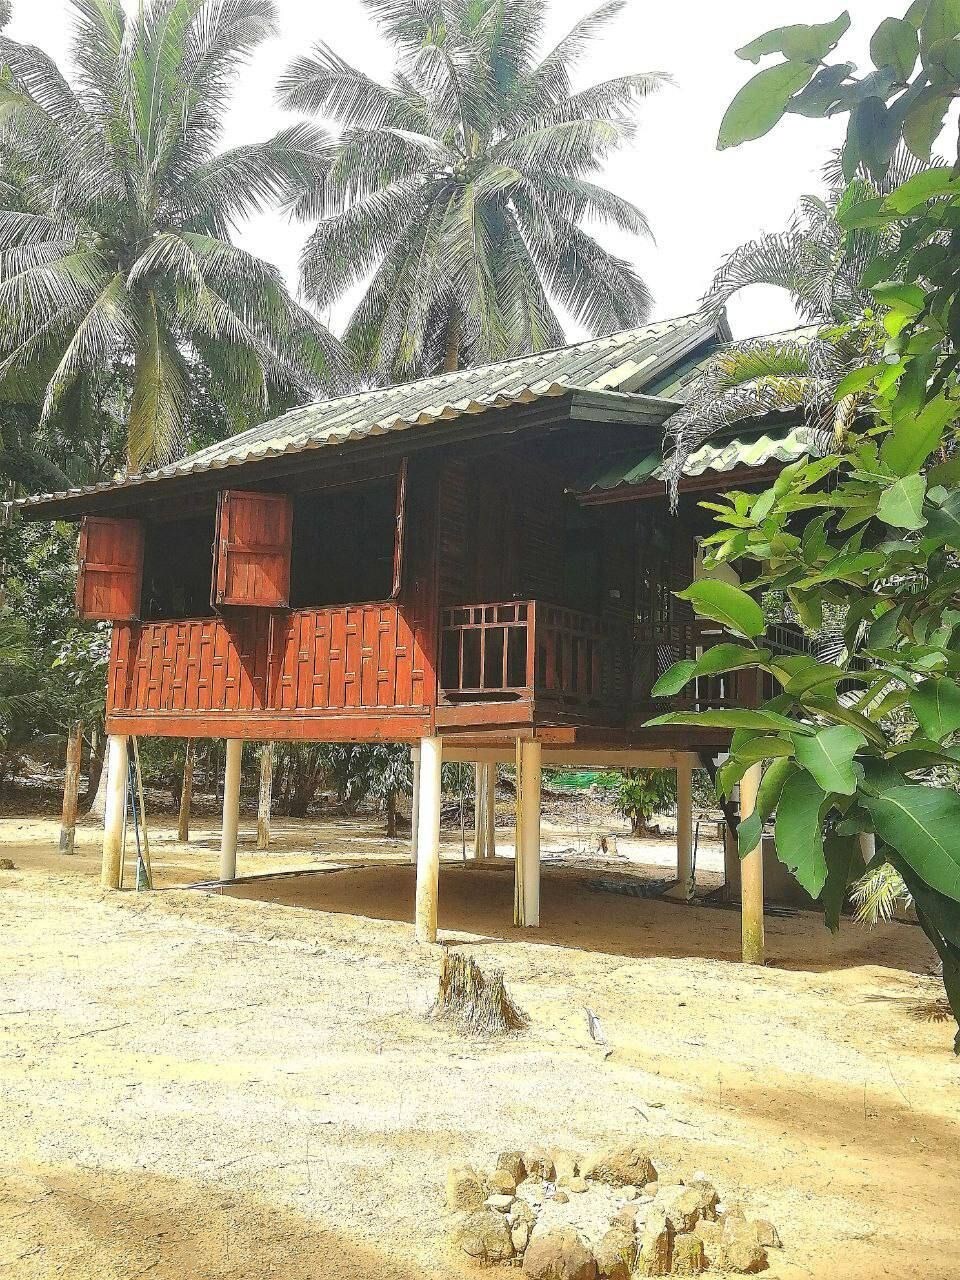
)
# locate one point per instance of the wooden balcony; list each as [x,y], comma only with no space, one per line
[358,669]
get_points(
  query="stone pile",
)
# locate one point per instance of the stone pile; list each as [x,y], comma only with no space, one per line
[607,1217]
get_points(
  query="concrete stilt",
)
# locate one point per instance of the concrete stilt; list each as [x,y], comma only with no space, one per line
[231,809]
[116,766]
[428,840]
[266,795]
[479,817]
[526,911]
[683,889]
[415,804]
[490,811]
[751,876]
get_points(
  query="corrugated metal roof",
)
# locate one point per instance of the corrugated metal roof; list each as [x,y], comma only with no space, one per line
[723,455]
[625,361]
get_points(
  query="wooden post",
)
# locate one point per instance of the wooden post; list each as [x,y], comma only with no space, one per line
[266,796]
[479,795]
[231,809]
[71,788]
[526,911]
[116,805]
[415,804]
[428,840]
[751,876]
[186,794]
[683,889]
[490,811]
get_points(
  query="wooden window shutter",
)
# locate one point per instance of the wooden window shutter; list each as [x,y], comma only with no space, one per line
[252,563]
[110,569]
[400,530]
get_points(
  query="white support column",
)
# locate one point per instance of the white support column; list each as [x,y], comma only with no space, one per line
[479,796]
[683,890]
[415,804]
[751,876]
[116,766]
[231,809]
[490,811]
[527,871]
[428,840]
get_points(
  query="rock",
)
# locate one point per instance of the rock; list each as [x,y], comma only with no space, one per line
[503,1182]
[767,1234]
[520,1211]
[629,1193]
[739,1249]
[512,1162]
[689,1258]
[651,1188]
[464,1189]
[711,1234]
[707,1197]
[565,1165]
[7,864]
[631,1166]
[681,1206]
[654,1259]
[577,1186]
[520,1236]
[616,1254]
[485,1237]
[560,1196]
[559,1255]
[539,1164]
[499,1204]
[626,1216]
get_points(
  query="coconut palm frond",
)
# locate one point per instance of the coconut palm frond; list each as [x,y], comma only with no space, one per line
[461,190]
[877,894]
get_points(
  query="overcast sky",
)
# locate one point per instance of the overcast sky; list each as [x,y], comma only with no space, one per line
[700,203]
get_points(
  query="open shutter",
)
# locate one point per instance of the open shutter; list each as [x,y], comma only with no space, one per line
[399,533]
[110,569]
[252,566]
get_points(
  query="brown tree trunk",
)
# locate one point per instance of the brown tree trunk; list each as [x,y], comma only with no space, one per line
[71,788]
[266,796]
[186,795]
[451,358]
[391,815]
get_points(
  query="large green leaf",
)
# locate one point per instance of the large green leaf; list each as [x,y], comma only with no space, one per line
[901,506]
[810,42]
[723,602]
[799,831]
[943,522]
[714,661]
[829,755]
[761,102]
[936,704]
[908,446]
[923,825]
[895,44]
[923,186]
[844,865]
[732,718]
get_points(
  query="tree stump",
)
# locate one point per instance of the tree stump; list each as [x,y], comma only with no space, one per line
[477,1003]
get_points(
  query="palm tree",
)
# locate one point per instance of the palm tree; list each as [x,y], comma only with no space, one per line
[116,259]
[458,191]
[821,265]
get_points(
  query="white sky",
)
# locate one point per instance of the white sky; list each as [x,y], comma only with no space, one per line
[701,203]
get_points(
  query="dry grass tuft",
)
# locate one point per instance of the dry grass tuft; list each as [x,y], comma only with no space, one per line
[477,1003]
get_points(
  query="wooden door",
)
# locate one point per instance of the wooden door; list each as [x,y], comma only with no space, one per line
[110,569]
[252,563]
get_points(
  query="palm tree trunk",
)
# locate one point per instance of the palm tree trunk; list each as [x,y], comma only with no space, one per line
[451,359]
[71,788]
[266,796]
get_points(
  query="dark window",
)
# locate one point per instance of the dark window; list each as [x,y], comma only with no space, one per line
[343,545]
[178,568]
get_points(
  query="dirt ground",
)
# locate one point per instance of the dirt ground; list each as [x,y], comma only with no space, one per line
[246,1084]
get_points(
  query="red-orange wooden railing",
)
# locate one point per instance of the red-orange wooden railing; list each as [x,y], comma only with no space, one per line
[339,659]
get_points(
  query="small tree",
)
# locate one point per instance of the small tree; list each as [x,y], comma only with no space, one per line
[640,793]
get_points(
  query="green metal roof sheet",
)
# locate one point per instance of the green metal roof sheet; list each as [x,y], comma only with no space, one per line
[620,362]
[721,455]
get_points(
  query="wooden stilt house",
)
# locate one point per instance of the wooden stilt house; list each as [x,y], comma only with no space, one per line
[479,564]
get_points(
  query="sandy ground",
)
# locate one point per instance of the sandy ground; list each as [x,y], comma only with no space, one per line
[246,1084]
